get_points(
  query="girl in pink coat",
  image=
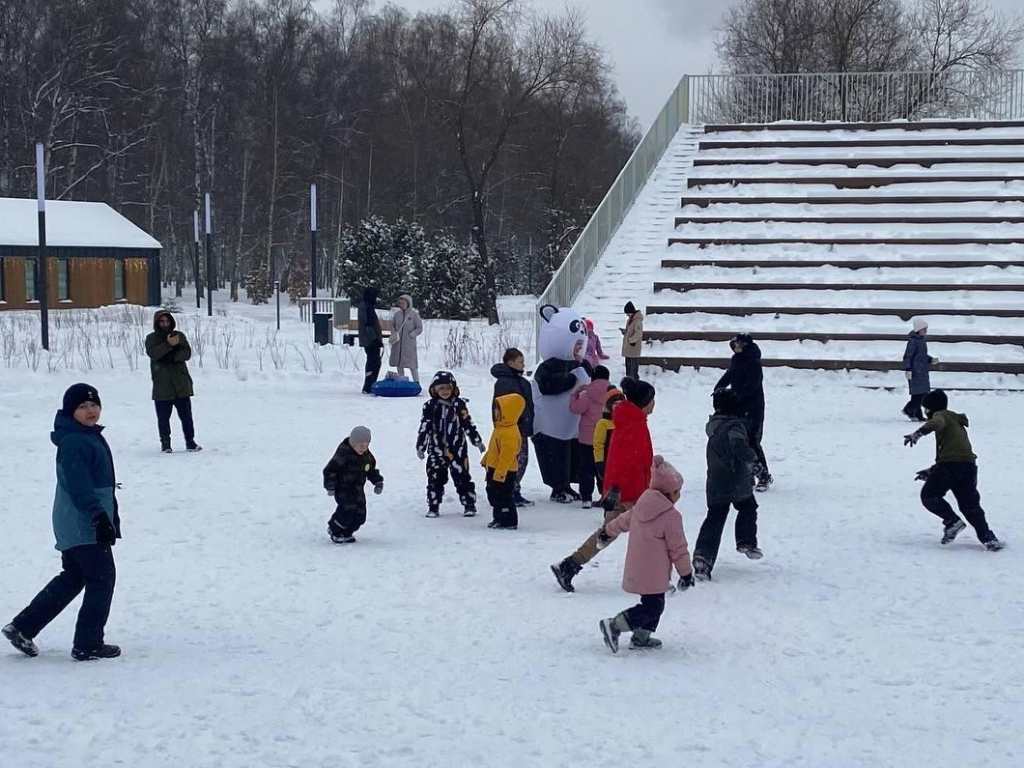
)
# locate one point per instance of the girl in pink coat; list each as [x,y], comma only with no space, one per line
[594,353]
[656,543]
[588,402]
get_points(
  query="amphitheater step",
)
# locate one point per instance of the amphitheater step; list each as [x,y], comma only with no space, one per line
[793,219]
[826,337]
[842,263]
[675,363]
[854,162]
[859,142]
[703,201]
[926,125]
[853,182]
[769,286]
[703,242]
[903,313]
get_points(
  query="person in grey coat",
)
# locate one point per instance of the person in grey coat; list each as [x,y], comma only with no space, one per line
[371,338]
[916,364]
[730,482]
[406,326]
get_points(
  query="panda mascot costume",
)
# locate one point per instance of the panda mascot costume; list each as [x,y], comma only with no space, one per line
[556,430]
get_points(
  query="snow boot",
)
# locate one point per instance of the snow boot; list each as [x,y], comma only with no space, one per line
[642,641]
[764,482]
[565,571]
[611,629]
[561,497]
[952,530]
[701,568]
[433,513]
[19,641]
[750,551]
[343,538]
[587,504]
[103,652]
[521,502]
[166,448]
[193,447]
[993,544]
[469,512]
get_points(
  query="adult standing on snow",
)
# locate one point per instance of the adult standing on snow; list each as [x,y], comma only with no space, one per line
[746,379]
[169,353]
[371,338]
[406,326]
[632,340]
[85,525]
[916,362]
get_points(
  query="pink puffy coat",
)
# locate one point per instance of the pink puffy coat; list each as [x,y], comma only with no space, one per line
[656,543]
[595,352]
[588,402]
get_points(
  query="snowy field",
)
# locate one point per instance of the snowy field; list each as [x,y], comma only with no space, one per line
[251,640]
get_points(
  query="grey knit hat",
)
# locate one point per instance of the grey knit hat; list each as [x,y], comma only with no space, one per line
[359,435]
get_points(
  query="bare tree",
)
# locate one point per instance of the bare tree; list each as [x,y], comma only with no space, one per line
[965,33]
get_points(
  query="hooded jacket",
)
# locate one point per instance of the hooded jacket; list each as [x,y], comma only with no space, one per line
[917,360]
[628,463]
[633,337]
[406,326]
[509,381]
[445,426]
[369,324]
[951,440]
[656,543]
[167,364]
[595,352]
[506,441]
[746,378]
[588,402]
[346,474]
[86,482]
[730,461]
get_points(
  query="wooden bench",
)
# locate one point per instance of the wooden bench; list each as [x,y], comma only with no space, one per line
[703,242]
[852,162]
[769,286]
[703,201]
[896,219]
[841,263]
[675,363]
[825,338]
[851,182]
[858,143]
[902,313]
[352,338]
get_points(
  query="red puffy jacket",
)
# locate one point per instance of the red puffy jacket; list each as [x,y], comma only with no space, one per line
[629,462]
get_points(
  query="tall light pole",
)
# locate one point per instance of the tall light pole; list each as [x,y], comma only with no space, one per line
[42,284]
[195,256]
[312,242]
[209,260]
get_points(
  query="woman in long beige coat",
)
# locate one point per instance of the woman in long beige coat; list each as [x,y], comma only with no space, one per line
[632,339]
[406,326]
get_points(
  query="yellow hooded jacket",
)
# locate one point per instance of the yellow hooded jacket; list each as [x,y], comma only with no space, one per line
[506,441]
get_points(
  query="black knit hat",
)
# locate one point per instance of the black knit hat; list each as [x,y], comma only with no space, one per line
[725,401]
[630,308]
[934,401]
[743,339]
[76,395]
[639,393]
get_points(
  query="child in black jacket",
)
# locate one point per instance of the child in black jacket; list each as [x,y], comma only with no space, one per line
[344,477]
[446,429]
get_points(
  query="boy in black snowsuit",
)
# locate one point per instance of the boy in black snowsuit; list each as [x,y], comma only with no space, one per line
[446,430]
[955,469]
[730,482]
[345,477]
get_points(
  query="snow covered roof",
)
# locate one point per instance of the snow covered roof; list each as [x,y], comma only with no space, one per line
[69,225]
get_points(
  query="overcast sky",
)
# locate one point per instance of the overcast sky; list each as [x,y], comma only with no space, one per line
[652,43]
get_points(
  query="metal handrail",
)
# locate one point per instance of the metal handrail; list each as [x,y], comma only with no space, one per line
[847,97]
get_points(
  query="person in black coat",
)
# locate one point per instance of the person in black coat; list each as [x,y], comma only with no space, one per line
[345,476]
[510,379]
[746,379]
[371,338]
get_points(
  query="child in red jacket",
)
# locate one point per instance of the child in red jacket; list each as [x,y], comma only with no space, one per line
[656,543]
[627,471]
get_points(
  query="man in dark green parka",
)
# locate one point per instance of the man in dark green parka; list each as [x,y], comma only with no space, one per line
[169,353]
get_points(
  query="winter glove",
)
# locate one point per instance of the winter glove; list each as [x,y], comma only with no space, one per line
[912,438]
[480,446]
[908,374]
[421,454]
[924,474]
[105,533]
[330,491]
[935,361]
[611,499]
[378,489]
[603,539]
[685,582]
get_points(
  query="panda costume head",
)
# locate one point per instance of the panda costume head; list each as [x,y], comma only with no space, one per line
[560,331]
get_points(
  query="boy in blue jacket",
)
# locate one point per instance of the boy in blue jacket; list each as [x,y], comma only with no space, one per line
[86,525]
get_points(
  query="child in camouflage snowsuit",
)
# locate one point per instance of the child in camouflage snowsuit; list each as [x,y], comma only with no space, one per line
[344,478]
[446,430]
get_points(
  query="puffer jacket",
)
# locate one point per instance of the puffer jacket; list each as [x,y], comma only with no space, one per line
[656,543]
[745,377]
[730,461]
[588,402]
[509,381]
[506,441]
[917,360]
[951,440]
[346,474]
[86,482]
[167,364]
[628,464]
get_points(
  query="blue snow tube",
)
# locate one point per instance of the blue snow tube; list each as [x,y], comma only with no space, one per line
[396,388]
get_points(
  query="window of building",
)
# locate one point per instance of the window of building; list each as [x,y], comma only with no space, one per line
[119,294]
[63,281]
[30,280]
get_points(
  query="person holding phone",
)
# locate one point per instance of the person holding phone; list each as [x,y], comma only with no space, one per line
[169,353]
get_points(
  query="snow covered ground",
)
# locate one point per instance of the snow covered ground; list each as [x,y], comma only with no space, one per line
[251,640]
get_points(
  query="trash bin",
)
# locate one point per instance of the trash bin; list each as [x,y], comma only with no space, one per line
[322,331]
[342,313]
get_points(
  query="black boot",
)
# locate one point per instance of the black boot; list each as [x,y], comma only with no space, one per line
[103,652]
[565,571]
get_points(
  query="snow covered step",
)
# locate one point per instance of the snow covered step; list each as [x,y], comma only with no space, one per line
[968,187]
[718,218]
[861,285]
[830,338]
[949,162]
[877,198]
[747,152]
[838,231]
[832,250]
[678,363]
[976,141]
[944,128]
[851,179]
[905,310]
[924,268]
[808,349]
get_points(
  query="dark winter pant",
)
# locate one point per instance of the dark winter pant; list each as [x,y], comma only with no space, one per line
[555,459]
[633,367]
[524,462]
[373,359]
[89,567]
[599,477]
[502,498]
[183,405]
[913,407]
[647,613]
[587,472]
[588,549]
[754,422]
[960,477]
[346,521]
[710,537]
[438,468]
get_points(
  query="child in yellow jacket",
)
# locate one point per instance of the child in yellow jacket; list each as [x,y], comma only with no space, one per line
[502,461]
[603,435]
